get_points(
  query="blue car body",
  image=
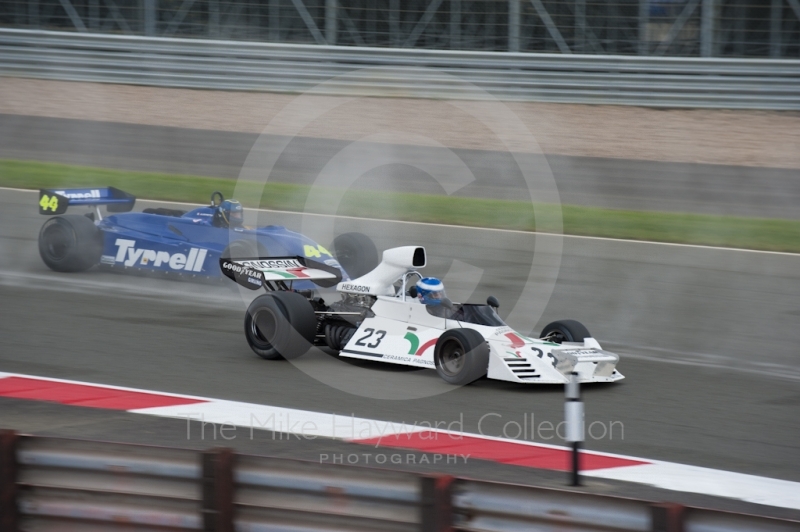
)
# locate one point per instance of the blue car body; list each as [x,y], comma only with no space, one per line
[187,244]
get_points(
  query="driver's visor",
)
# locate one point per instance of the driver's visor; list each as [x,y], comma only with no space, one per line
[237,216]
[439,294]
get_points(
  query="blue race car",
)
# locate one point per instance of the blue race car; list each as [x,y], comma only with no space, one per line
[187,244]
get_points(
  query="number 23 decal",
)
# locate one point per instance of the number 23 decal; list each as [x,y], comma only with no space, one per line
[540,354]
[379,335]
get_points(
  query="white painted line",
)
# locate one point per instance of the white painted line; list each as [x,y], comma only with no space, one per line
[472,228]
[692,479]
[310,425]
[301,423]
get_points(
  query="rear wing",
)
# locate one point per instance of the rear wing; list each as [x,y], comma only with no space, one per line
[56,201]
[274,272]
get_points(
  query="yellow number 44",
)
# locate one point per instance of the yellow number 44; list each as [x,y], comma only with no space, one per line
[49,203]
[318,251]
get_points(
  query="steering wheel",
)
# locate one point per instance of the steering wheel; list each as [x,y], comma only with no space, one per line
[217,194]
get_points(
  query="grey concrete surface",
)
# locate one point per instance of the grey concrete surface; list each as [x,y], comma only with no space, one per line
[707,337]
[611,183]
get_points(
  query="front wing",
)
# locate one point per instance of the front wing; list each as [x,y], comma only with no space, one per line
[531,361]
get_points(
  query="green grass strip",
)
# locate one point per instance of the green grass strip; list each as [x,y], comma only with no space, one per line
[683,228]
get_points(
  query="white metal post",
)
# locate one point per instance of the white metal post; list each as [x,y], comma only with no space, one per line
[574,417]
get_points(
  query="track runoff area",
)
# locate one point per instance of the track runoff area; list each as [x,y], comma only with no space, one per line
[214,414]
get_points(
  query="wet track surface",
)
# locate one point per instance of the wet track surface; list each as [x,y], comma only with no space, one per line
[707,338]
[600,182]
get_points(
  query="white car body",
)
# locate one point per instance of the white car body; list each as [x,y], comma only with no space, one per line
[386,323]
[404,332]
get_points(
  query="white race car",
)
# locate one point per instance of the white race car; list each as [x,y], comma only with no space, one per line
[379,317]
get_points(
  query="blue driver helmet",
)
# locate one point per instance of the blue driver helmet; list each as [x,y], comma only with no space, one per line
[231,213]
[430,291]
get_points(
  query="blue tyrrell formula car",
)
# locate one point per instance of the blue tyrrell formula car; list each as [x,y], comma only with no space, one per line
[174,241]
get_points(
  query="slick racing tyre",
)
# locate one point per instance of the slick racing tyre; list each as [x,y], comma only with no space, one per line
[70,243]
[280,325]
[244,249]
[356,252]
[565,331]
[461,356]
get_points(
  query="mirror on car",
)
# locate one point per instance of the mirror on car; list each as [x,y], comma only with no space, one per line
[493,302]
[446,303]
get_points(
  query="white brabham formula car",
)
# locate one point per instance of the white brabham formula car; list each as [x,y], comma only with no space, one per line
[379,317]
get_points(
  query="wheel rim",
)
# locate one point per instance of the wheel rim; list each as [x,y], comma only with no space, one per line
[57,242]
[452,358]
[263,326]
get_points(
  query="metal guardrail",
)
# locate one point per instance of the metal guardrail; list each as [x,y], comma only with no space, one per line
[498,507]
[492,507]
[106,485]
[62,484]
[228,65]
[506,508]
[96,485]
[304,496]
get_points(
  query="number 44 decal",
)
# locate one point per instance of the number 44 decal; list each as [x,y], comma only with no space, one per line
[369,332]
[317,252]
[48,203]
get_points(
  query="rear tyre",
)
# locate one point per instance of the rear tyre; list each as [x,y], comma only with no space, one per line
[461,356]
[565,331]
[70,243]
[356,252]
[244,249]
[280,325]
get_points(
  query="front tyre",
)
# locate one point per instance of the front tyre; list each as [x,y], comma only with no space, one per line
[461,356]
[565,331]
[280,325]
[70,243]
[356,252]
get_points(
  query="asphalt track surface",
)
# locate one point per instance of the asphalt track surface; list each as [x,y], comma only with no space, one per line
[708,340]
[611,183]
